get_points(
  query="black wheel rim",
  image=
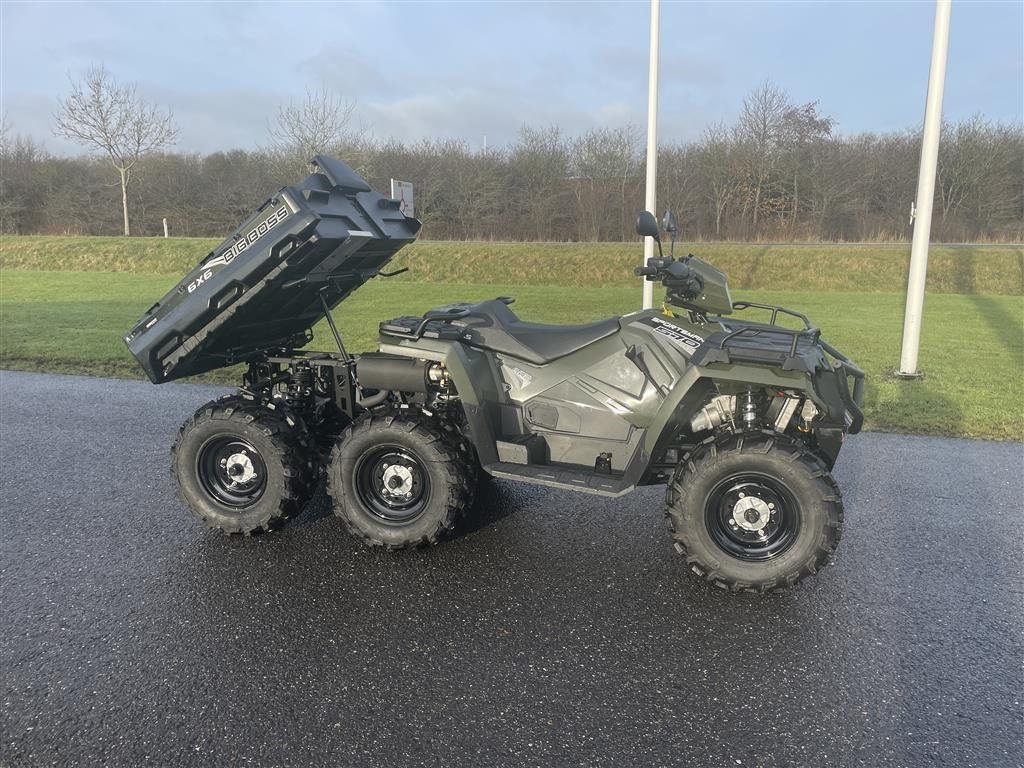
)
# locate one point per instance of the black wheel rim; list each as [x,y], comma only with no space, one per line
[232,471]
[393,484]
[752,516]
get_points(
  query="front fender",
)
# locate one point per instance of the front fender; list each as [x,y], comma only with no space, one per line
[698,384]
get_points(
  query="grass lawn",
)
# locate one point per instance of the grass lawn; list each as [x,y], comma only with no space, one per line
[972,349]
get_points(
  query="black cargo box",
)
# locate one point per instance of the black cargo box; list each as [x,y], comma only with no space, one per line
[260,289]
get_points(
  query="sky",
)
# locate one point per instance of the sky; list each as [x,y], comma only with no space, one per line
[475,70]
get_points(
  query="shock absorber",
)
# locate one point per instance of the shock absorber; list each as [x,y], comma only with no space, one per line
[748,407]
[300,385]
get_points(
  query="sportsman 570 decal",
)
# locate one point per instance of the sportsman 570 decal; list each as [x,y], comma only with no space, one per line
[686,341]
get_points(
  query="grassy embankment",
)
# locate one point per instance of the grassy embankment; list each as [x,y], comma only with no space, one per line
[65,302]
[981,269]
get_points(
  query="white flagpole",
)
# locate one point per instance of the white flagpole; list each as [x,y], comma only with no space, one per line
[650,201]
[925,193]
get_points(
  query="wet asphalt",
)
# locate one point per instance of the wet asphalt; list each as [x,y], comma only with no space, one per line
[558,629]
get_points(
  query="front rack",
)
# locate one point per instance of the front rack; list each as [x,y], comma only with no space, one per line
[808,331]
[725,347]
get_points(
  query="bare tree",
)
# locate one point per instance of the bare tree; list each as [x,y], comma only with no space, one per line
[605,165]
[779,170]
[322,123]
[720,174]
[539,162]
[112,118]
[803,128]
[678,186]
[759,132]
[17,154]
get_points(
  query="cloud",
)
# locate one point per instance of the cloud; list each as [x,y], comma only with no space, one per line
[350,73]
[31,114]
[212,121]
[472,113]
[469,70]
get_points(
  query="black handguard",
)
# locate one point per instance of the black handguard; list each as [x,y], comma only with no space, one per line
[681,282]
[676,272]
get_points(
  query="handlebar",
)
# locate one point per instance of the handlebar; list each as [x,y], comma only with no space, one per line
[662,268]
[677,276]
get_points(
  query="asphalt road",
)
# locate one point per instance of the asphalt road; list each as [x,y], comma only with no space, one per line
[558,630]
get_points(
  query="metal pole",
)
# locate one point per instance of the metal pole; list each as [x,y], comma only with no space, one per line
[165,228]
[925,193]
[650,201]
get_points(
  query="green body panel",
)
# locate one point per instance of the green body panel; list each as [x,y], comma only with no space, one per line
[596,400]
[610,405]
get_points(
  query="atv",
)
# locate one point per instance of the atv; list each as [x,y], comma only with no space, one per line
[741,419]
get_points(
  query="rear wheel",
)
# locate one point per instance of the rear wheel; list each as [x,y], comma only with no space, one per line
[241,467]
[456,432]
[754,512]
[398,480]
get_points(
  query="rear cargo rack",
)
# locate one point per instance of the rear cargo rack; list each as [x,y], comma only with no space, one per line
[435,324]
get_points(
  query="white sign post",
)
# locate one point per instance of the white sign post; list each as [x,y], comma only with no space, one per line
[402,192]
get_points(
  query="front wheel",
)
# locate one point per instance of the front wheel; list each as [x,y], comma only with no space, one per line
[754,512]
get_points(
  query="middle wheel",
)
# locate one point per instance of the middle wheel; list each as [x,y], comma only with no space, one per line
[398,481]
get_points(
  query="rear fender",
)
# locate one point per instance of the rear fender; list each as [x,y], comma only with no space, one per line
[476,380]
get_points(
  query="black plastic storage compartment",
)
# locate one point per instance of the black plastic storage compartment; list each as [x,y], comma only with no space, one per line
[260,289]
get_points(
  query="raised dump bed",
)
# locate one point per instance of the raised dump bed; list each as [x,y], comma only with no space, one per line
[303,251]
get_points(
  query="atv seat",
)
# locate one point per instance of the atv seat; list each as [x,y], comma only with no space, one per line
[492,325]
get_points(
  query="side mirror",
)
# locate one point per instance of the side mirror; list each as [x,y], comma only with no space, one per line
[647,225]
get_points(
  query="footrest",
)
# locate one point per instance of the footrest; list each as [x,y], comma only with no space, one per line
[557,477]
[524,449]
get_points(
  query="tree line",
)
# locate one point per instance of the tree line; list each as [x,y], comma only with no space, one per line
[779,171]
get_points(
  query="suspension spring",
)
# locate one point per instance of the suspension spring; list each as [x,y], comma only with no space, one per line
[749,405]
[300,385]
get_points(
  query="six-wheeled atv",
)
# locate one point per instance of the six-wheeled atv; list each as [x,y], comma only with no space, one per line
[741,420]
